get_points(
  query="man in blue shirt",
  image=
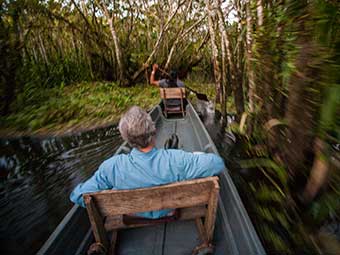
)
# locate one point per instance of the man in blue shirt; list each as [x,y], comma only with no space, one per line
[145,165]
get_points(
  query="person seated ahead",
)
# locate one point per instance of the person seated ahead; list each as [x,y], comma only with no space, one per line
[171,82]
[146,166]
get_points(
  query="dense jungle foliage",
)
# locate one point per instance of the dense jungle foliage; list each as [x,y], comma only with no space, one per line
[65,63]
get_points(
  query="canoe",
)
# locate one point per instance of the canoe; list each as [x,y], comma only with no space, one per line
[234,232]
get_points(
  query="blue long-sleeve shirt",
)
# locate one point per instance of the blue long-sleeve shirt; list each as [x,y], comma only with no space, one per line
[140,170]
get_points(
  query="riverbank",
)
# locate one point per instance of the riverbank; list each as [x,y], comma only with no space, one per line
[78,107]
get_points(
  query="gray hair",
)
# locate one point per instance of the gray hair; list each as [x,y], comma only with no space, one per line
[137,128]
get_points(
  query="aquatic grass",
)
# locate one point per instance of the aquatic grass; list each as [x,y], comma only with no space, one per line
[81,105]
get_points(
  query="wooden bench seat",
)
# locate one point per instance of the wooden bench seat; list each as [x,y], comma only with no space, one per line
[195,199]
[173,93]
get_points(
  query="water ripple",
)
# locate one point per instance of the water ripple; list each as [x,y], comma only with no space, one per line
[36,178]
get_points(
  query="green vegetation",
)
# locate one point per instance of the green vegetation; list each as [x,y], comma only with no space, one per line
[289,130]
[80,106]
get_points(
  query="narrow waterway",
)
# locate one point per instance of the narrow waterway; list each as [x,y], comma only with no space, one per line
[37,176]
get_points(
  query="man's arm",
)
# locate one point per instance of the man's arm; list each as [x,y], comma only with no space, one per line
[201,165]
[102,179]
[152,77]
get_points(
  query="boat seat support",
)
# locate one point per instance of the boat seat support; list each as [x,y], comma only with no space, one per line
[196,199]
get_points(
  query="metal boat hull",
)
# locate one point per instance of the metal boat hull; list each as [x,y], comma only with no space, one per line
[234,232]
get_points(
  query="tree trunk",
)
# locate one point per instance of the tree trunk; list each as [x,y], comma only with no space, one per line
[238,69]
[119,56]
[216,65]
[157,44]
[224,79]
[180,38]
[195,58]
[319,172]
[118,52]
[251,82]
[12,61]
[226,58]
[43,50]
[303,92]
[259,9]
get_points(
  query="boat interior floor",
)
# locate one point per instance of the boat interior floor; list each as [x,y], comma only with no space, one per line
[164,239]
[173,238]
[188,139]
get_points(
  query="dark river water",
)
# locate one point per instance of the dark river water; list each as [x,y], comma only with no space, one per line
[37,176]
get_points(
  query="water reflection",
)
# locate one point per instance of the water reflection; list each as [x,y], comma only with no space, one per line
[36,178]
[215,126]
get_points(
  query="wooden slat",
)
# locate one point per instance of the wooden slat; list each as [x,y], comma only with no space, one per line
[176,195]
[211,213]
[201,230]
[112,250]
[116,222]
[97,223]
[172,93]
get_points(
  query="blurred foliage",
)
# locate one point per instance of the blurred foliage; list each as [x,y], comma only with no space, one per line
[80,105]
[295,60]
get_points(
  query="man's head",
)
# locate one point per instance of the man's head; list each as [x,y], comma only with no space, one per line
[137,128]
[173,75]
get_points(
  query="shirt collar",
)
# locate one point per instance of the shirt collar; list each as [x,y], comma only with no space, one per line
[136,152]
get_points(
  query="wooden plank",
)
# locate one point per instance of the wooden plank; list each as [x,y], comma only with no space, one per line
[172,93]
[211,213]
[201,230]
[116,222]
[176,195]
[182,104]
[112,250]
[97,222]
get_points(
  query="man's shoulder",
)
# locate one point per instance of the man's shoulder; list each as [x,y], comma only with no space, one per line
[110,162]
[163,83]
[180,83]
[175,152]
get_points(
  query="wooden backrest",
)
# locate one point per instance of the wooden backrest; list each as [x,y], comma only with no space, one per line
[115,203]
[172,93]
[175,195]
